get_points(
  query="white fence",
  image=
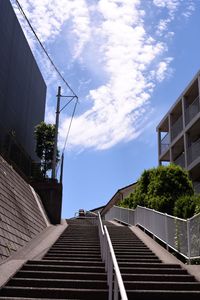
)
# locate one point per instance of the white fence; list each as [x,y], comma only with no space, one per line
[181,235]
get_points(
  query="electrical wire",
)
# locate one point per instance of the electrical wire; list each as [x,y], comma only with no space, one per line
[58,72]
[67,136]
[43,48]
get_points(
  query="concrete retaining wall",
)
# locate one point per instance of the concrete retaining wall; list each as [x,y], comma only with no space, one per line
[21,214]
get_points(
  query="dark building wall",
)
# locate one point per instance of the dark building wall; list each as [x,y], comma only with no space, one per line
[22,88]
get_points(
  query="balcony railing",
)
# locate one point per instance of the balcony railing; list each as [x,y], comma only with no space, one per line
[194,151]
[180,161]
[192,110]
[164,143]
[177,127]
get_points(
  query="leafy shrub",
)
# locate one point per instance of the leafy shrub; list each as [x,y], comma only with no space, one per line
[159,188]
[197,207]
[185,206]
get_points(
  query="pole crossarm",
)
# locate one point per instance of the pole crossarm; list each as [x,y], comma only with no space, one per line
[72,98]
[58,111]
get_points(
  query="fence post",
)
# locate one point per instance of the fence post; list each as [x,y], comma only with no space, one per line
[166,233]
[128,217]
[188,241]
[153,224]
[136,216]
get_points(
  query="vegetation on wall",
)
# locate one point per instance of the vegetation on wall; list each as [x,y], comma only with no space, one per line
[45,134]
[167,189]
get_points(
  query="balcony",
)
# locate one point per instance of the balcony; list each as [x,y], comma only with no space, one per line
[192,110]
[177,127]
[180,161]
[194,151]
[164,146]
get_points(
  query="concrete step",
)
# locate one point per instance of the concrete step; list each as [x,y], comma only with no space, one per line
[132,248]
[141,253]
[137,253]
[141,270]
[162,295]
[149,265]
[71,269]
[74,250]
[136,256]
[20,298]
[138,260]
[77,243]
[66,262]
[72,247]
[83,258]
[128,244]
[158,277]
[72,256]
[59,268]
[61,275]
[58,283]
[51,293]
[157,285]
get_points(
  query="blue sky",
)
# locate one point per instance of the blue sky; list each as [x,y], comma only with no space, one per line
[127,61]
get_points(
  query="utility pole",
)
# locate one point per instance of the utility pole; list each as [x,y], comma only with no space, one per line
[53,176]
[61,169]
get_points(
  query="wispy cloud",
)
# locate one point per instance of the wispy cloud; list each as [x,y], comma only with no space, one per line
[112,41]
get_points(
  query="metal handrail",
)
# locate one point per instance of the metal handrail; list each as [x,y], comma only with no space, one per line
[181,235]
[101,236]
[118,282]
[112,268]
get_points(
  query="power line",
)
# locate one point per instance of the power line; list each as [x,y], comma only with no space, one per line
[43,48]
[67,136]
[74,96]
[66,139]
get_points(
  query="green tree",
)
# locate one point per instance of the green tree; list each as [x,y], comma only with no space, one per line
[159,188]
[45,134]
[127,202]
[186,206]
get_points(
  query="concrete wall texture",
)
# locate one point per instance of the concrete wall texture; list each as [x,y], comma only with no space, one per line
[21,217]
[22,88]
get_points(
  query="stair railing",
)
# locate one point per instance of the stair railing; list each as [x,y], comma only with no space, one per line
[111,265]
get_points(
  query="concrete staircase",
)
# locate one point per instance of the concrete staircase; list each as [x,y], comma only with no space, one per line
[71,269]
[144,275]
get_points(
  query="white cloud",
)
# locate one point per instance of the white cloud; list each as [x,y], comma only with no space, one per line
[163,69]
[110,39]
[171,5]
[127,51]
[48,17]
[189,9]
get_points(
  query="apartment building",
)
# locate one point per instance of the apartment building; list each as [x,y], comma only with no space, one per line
[179,132]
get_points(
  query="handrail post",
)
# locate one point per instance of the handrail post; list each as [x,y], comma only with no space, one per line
[116,292]
[110,278]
